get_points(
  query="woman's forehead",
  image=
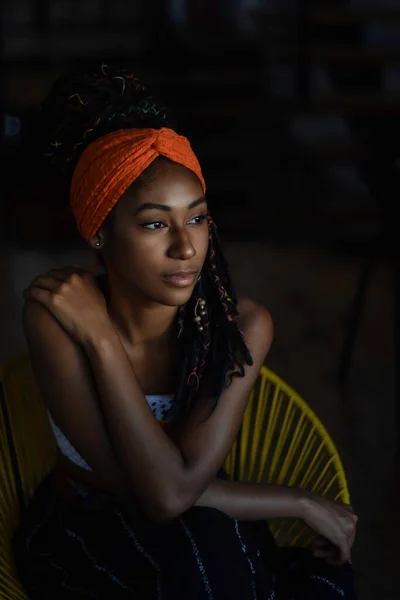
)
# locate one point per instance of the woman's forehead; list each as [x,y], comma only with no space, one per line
[169,184]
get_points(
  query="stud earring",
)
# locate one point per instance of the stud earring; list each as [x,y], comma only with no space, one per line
[200,313]
[97,244]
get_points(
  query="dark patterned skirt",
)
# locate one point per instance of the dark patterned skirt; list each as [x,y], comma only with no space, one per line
[99,551]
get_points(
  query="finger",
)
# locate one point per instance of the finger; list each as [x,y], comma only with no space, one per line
[46,282]
[331,555]
[58,274]
[347,507]
[344,551]
[331,559]
[352,536]
[349,529]
[39,295]
[334,561]
[325,551]
[329,552]
[54,277]
[323,544]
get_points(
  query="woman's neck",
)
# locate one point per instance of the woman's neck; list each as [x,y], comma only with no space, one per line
[140,322]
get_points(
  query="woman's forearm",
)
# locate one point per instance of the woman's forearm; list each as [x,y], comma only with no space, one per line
[247,501]
[167,471]
[157,465]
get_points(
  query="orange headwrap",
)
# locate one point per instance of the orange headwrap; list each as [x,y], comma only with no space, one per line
[110,164]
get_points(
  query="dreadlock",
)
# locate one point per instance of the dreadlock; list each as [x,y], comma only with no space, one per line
[219,351]
[84,106]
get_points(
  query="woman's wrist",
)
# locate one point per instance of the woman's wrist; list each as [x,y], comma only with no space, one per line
[247,501]
[305,502]
[101,338]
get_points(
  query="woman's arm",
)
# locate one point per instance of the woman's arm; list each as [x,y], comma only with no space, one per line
[333,521]
[165,475]
[170,471]
[69,388]
[253,502]
[63,373]
[93,395]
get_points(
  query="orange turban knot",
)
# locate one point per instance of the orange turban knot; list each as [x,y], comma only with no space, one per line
[110,164]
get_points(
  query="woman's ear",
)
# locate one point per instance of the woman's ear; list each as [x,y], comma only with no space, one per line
[97,241]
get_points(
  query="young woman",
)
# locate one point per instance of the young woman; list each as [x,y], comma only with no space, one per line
[146,372]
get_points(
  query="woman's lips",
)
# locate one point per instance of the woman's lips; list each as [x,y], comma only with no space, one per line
[180,278]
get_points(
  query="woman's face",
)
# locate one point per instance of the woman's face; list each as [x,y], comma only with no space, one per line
[159,237]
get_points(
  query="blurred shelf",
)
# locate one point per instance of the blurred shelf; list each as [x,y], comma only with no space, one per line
[340,153]
[214,146]
[50,49]
[75,27]
[339,54]
[329,16]
[224,78]
[343,103]
[224,109]
[335,103]
[328,153]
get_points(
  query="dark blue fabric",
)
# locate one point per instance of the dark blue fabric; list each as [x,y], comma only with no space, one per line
[102,552]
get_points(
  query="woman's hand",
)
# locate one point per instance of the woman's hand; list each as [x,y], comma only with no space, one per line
[335,524]
[324,549]
[74,299]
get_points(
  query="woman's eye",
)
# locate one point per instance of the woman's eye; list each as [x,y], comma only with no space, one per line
[198,220]
[154,225]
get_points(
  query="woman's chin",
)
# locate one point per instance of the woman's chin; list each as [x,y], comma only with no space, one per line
[177,297]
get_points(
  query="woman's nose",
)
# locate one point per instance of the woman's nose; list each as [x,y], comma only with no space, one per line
[181,246]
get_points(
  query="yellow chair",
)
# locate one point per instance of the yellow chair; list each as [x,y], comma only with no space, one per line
[281,441]
[27,453]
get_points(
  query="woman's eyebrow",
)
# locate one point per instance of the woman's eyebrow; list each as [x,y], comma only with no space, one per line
[165,207]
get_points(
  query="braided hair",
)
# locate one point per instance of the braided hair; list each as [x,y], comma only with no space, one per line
[84,106]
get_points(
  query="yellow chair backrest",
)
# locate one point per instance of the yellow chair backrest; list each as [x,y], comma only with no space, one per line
[27,453]
[281,441]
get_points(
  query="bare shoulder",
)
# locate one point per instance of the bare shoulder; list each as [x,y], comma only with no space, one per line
[253,316]
[256,323]
[35,315]
[42,331]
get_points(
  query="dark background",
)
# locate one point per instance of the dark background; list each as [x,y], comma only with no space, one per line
[294,111]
